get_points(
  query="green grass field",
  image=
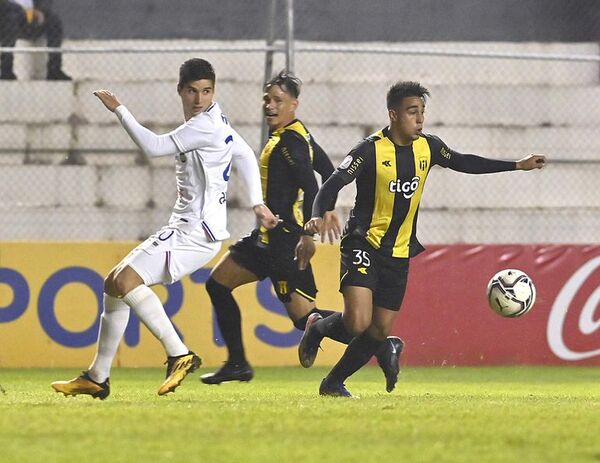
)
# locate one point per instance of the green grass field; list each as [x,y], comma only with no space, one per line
[435,415]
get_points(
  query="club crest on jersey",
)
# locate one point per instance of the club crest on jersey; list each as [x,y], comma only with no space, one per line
[282,286]
[423,164]
[407,188]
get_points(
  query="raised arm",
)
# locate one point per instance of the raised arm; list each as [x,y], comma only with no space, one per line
[151,144]
[474,164]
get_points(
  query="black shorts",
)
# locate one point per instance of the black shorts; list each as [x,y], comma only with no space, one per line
[362,265]
[276,261]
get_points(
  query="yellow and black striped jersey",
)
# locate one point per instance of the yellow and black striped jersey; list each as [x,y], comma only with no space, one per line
[389,185]
[287,165]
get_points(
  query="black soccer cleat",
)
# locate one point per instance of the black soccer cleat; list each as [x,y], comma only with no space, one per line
[332,388]
[229,372]
[388,358]
[310,341]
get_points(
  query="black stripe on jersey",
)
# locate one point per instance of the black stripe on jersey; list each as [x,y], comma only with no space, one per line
[405,172]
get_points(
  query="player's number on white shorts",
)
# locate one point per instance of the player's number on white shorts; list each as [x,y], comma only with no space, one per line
[361,257]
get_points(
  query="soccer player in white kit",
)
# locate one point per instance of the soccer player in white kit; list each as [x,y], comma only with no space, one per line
[203,148]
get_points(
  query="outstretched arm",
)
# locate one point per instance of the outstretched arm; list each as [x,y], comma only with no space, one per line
[473,164]
[151,144]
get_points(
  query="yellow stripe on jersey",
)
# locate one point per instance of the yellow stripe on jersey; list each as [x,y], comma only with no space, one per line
[299,203]
[422,159]
[263,164]
[264,159]
[383,209]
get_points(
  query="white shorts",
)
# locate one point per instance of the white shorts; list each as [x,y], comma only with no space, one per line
[170,254]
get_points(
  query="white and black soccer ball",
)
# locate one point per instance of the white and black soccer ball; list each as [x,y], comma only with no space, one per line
[511,293]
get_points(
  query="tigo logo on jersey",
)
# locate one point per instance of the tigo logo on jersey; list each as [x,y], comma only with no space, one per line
[407,188]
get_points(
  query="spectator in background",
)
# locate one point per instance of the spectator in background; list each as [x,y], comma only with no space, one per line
[30,19]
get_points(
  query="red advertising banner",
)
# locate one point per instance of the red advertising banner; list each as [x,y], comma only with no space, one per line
[445,318]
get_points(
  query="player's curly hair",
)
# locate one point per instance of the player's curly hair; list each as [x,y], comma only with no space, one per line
[403,89]
[195,69]
[287,81]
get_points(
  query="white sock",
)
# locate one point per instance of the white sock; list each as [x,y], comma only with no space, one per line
[151,312]
[112,327]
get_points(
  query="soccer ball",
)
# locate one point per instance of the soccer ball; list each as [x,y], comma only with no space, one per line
[511,293]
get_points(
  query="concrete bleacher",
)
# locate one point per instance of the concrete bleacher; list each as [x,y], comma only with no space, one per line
[495,107]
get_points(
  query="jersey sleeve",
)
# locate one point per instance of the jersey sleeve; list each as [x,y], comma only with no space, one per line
[321,162]
[466,163]
[347,171]
[322,165]
[151,144]
[296,153]
[197,133]
[245,161]
[354,162]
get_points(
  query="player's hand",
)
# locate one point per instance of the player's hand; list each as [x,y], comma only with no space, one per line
[314,225]
[266,218]
[305,249]
[533,161]
[108,99]
[331,227]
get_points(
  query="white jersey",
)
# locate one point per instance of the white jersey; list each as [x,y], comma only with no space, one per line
[204,148]
[26,4]
[206,143]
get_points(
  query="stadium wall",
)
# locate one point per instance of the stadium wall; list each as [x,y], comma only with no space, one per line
[51,293]
[500,108]
[336,21]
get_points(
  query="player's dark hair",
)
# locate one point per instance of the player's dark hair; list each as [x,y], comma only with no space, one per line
[287,81]
[403,89]
[195,69]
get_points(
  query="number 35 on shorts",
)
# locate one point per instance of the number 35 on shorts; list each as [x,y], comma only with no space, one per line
[361,260]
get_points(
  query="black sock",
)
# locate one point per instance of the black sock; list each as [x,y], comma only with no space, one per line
[333,327]
[324,312]
[229,319]
[301,322]
[357,354]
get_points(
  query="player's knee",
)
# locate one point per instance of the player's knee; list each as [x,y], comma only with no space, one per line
[109,286]
[379,332]
[356,324]
[216,291]
[118,284]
